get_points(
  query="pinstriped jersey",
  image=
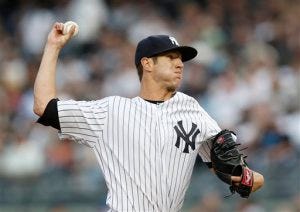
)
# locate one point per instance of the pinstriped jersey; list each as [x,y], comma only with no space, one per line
[146,151]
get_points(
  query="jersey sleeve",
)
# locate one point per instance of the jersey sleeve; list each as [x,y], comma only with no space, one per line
[50,115]
[82,121]
[211,128]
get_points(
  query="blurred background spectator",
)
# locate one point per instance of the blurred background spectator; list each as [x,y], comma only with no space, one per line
[247,76]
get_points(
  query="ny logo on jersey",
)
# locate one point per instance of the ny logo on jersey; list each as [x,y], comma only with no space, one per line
[181,133]
[174,41]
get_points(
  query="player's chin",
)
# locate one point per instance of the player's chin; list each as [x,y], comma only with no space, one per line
[174,86]
[177,81]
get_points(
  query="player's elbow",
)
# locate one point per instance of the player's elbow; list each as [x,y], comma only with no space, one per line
[39,107]
[38,110]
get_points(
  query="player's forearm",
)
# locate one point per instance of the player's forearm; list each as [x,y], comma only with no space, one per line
[258,181]
[45,83]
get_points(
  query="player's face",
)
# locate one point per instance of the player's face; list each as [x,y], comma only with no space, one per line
[168,70]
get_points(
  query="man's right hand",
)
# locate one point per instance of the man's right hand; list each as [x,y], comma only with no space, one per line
[56,38]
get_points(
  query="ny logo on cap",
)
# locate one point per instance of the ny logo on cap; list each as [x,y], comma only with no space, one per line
[174,41]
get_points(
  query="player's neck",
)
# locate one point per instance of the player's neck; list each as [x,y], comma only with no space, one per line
[155,93]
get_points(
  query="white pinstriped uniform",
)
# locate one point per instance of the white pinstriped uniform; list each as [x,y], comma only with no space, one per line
[135,144]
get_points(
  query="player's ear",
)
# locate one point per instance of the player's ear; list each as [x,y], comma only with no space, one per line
[147,64]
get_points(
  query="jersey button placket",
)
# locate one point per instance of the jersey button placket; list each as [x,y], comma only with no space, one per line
[162,158]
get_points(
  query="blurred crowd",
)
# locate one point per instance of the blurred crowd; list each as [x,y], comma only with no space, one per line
[246,75]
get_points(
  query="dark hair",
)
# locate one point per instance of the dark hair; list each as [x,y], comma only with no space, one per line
[139,69]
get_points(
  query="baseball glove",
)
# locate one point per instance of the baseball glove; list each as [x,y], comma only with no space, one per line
[227,161]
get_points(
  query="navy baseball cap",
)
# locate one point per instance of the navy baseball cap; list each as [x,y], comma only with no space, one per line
[157,44]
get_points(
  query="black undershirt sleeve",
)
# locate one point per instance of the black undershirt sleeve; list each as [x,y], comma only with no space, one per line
[50,115]
[209,164]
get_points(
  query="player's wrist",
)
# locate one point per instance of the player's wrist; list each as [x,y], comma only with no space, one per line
[52,48]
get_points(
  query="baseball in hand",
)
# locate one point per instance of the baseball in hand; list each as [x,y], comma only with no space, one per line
[67,27]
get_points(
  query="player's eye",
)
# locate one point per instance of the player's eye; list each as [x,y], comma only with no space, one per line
[173,56]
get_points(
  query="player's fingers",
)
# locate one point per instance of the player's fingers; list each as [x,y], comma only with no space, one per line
[56,36]
[69,34]
[72,30]
[236,179]
[59,26]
